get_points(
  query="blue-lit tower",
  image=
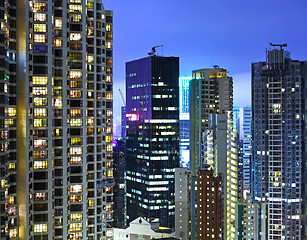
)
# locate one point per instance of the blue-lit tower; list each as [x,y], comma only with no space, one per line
[184,86]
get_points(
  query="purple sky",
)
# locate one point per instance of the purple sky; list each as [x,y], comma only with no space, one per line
[203,33]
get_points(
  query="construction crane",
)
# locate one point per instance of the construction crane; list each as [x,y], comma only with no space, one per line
[122,95]
[279,45]
[153,50]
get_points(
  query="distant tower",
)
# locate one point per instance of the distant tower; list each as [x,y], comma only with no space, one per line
[184,109]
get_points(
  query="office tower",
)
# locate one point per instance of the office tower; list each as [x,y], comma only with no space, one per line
[211,91]
[8,116]
[184,116]
[152,141]
[182,203]
[120,183]
[247,147]
[221,154]
[279,150]
[56,127]
[210,205]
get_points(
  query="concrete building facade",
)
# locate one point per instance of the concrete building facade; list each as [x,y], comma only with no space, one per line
[279,147]
[59,109]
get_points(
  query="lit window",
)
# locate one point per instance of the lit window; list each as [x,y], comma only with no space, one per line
[40,154]
[75,141]
[90,122]
[58,102]
[109,164]
[109,130]
[40,28]
[40,80]
[40,143]
[76,236]
[109,113]
[108,44]
[109,207]
[90,59]
[75,122]
[76,188]
[58,42]
[40,91]
[109,79]
[12,166]
[110,233]
[109,173]
[39,228]
[12,211]
[109,96]
[58,23]
[75,93]
[108,28]
[40,196]
[75,84]
[76,18]
[3,183]
[11,200]
[39,6]
[75,160]
[39,38]
[75,198]
[109,139]
[40,165]
[75,37]
[9,123]
[10,112]
[75,8]
[13,233]
[75,112]
[40,122]
[109,148]
[90,5]
[91,203]
[40,112]
[75,150]
[76,217]
[75,1]
[75,74]
[40,17]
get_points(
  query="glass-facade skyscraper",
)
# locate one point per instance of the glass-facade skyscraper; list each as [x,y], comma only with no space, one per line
[184,115]
[279,142]
[152,138]
[56,120]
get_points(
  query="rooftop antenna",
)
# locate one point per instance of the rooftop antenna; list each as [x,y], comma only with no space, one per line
[279,45]
[153,50]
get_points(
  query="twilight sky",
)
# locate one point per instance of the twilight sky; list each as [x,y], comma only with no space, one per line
[203,33]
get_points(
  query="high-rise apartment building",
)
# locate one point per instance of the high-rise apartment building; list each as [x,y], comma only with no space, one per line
[211,91]
[247,147]
[210,205]
[63,103]
[152,140]
[221,154]
[182,203]
[279,147]
[184,116]
[8,122]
